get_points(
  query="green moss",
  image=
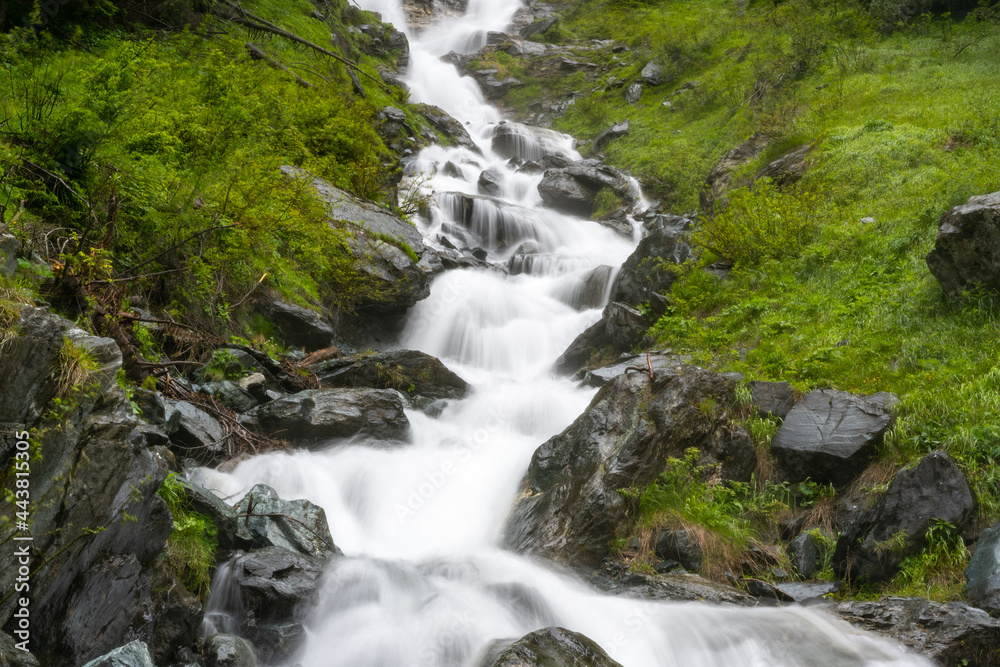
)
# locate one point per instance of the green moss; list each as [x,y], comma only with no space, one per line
[191,547]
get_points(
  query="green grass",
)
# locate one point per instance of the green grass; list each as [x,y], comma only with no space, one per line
[191,547]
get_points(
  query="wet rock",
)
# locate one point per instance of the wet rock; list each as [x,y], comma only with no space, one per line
[409,371]
[620,329]
[658,361]
[133,654]
[452,170]
[598,176]
[618,221]
[514,140]
[222,650]
[773,399]
[951,634]
[569,508]
[11,656]
[178,616]
[420,14]
[830,436]
[27,364]
[193,432]
[390,122]
[255,384]
[633,93]
[918,498]
[677,544]
[451,129]
[788,168]
[297,325]
[647,269]
[983,573]
[805,592]
[232,531]
[803,552]
[588,291]
[104,353]
[546,647]
[616,579]
[491,183]
[652,74]
[966,254]
[324,414]
[296,525]
[493,88]
[230,394]
[275,584]
[615,131]
[562,192]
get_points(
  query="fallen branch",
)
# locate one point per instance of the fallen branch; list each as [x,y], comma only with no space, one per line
[257,54]
[648,369]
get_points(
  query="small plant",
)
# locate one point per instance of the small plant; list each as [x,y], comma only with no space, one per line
[223,366]
[190,551]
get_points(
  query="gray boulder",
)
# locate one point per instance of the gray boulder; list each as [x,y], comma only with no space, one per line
[562,192]
[983,572]
[222,650]
[788,168]
[587,291]
[615,131]
[966,254]
[569,508]
[648,268]
[830,436]
[803,552]
[514,140]
[490,183]
[193,432]
[451,129]
[298,326]
[677,544]
[633,93]
[620,329]
[134,654]
[545,648]
[918,499]
[297,525]
[538,27]
[324,414]
[12,656]
[952,634]
[658,361]
[414,373]
[720,178]
[773,399]
[232,395]
[652,74]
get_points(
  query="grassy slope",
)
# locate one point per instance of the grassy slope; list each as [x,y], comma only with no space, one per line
[905,125]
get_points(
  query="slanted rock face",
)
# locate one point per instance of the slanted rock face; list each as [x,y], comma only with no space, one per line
[616,579]
[562,192]
[983,572]
[322,414]
[548,647]
[620,328]
[646,270]
[830,436]
[416,373]
[297,525]
[772,399]
[966,254]
[613,132]
[569,507]
[193,432]
[918,498]
[951,634]
[133,654]
[452,130]
[299,326]
[12,656]
[720,179]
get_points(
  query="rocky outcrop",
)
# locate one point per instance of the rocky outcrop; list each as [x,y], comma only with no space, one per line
[133,654]
[416,374]
[514,140]
[788,168]
[452,130]
[616,579]
[12,656]
[720,179]
[830,436]
[572,189]
[657,361]
[614,132]
[298,326]
[966,254]
[983,573]
[296,525]
[318,415]
[918,499]
[648,269]
[951,634]
[490,183]
[9,249]
[772,399]
[422,13]
[569,508]
[232,531]
[620,329]
[192,431]
[545,648]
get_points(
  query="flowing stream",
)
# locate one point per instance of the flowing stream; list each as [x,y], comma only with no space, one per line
[423,581]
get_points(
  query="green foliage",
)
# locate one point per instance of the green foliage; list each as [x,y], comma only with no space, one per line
[223,366]
[190,551]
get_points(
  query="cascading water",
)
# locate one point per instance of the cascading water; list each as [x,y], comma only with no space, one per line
[423,581]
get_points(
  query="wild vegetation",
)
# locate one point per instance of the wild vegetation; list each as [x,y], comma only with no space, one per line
[828,286]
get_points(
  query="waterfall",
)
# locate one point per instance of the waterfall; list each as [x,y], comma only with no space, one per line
[423,581]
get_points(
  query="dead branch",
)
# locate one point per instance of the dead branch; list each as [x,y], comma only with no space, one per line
[257,54]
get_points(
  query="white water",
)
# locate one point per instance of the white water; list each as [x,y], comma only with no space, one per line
[424,582]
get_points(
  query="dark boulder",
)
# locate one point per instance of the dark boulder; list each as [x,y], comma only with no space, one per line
[620,329]
[514,140]
[652,74]
[10,247]
[231,395]
[390,122]
[547,648]
[232,531]
[983,572]
[649,268]
[772,399]
[615,131]
[27,365]
[222,650]
[678,544]
[539,27]
[296,525]
[917,500]
[451,129]
[562,192]
[805,592]
[324,414]
[803,553]
[414,373]
[178,616]
[193,432]
[491,183]
[569,508]
[587,291]
[298,326]
[952,634]
[966,254]
[830,436]
[133,654]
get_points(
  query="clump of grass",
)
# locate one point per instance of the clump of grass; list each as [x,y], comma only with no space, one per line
[190,551]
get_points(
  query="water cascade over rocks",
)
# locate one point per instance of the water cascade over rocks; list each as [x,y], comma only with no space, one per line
[422,579]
